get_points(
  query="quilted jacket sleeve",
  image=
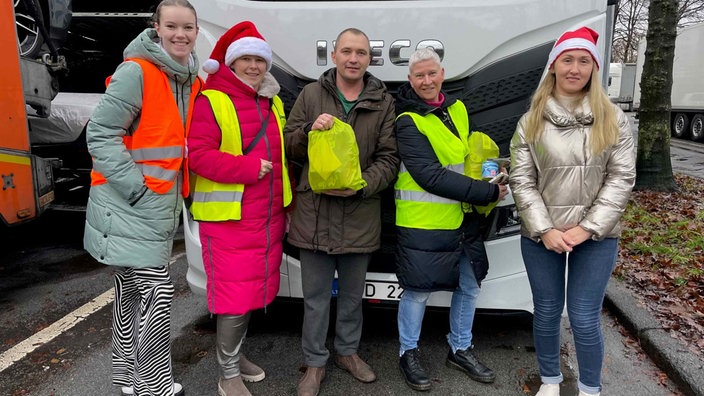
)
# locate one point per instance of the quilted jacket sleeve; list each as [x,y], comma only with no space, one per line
[116,114]
[523,181]
[618,182]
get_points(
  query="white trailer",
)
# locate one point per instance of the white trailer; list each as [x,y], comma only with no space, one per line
[622,78]
[614,82]
[687,115]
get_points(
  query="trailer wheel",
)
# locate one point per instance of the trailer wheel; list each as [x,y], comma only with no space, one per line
[697,128]
[29,38]
[679,125]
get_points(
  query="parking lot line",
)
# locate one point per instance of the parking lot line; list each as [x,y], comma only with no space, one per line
[19,351]
[22,349]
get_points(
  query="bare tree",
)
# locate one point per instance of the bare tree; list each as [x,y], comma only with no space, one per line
[632,23]
[690,12]
[653,164]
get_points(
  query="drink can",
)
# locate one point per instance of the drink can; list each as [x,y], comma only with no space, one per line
[489,169]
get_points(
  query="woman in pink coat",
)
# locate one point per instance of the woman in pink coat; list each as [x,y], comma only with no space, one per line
[241,190]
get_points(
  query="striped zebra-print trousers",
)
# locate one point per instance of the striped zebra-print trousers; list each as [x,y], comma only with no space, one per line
[141,332]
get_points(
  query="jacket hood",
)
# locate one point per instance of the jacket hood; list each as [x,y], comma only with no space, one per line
[557,114]
[147,46]
[408,100]
[225,80]
[374,89]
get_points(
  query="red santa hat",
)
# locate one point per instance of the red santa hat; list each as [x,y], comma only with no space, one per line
[583,38]
[241,39]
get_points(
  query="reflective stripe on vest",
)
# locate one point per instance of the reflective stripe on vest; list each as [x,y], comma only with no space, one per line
[424,196]
[417,208]
[214,201]
[157,146]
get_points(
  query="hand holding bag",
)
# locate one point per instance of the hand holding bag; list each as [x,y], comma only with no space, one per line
[333,159]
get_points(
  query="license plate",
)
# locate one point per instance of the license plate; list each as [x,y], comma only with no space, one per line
[382,291]
[376,290]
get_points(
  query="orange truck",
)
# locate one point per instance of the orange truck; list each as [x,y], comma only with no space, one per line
[49,85]
[27,180]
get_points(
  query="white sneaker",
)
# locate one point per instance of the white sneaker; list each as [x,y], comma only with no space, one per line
[582,393]
[129,390]
[549,390]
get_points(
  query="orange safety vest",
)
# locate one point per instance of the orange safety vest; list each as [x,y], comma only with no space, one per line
[157,146]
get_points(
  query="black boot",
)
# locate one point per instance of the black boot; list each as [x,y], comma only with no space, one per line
[413,371]
[465,361]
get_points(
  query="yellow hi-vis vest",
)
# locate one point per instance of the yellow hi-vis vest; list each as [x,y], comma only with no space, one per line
[417,208]
[214,201]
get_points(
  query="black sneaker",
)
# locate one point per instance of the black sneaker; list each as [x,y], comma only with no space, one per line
[465,361]
[413,371]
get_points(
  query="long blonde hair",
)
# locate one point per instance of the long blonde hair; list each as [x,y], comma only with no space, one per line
[604,131]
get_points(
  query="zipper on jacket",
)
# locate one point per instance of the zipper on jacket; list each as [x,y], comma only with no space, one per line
[211,282]
[447,120]
[179,176]
[271,202]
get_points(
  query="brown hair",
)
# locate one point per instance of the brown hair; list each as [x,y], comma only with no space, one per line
[354,31]
[167,3]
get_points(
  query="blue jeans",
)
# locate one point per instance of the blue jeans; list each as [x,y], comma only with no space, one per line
[589,270]
[411,309]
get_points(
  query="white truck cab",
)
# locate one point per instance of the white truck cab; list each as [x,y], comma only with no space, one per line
[494,55]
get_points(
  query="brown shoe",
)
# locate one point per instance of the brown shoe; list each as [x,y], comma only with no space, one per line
[309,385]
[232,387]
[249,371]
[355,366]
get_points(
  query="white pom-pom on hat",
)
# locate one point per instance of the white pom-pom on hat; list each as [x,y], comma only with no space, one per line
[211,66]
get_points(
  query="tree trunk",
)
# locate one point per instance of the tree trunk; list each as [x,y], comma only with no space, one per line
[653,165]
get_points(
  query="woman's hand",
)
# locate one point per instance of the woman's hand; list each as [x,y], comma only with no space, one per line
[554,240]
[503,191]
[265,168]
[576,235]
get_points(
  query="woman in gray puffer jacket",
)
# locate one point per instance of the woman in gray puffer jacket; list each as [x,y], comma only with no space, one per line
[136,137]
[572,171]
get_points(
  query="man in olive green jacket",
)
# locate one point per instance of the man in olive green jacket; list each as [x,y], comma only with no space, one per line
[339,229]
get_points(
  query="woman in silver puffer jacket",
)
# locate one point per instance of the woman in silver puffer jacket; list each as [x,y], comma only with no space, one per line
[572,172]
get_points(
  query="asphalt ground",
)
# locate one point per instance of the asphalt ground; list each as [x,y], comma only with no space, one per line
[682,366]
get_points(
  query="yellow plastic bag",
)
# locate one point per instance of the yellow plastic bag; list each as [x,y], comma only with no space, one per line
[480,147]
[333,159]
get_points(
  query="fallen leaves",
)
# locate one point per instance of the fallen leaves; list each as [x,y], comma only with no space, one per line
[661,257]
